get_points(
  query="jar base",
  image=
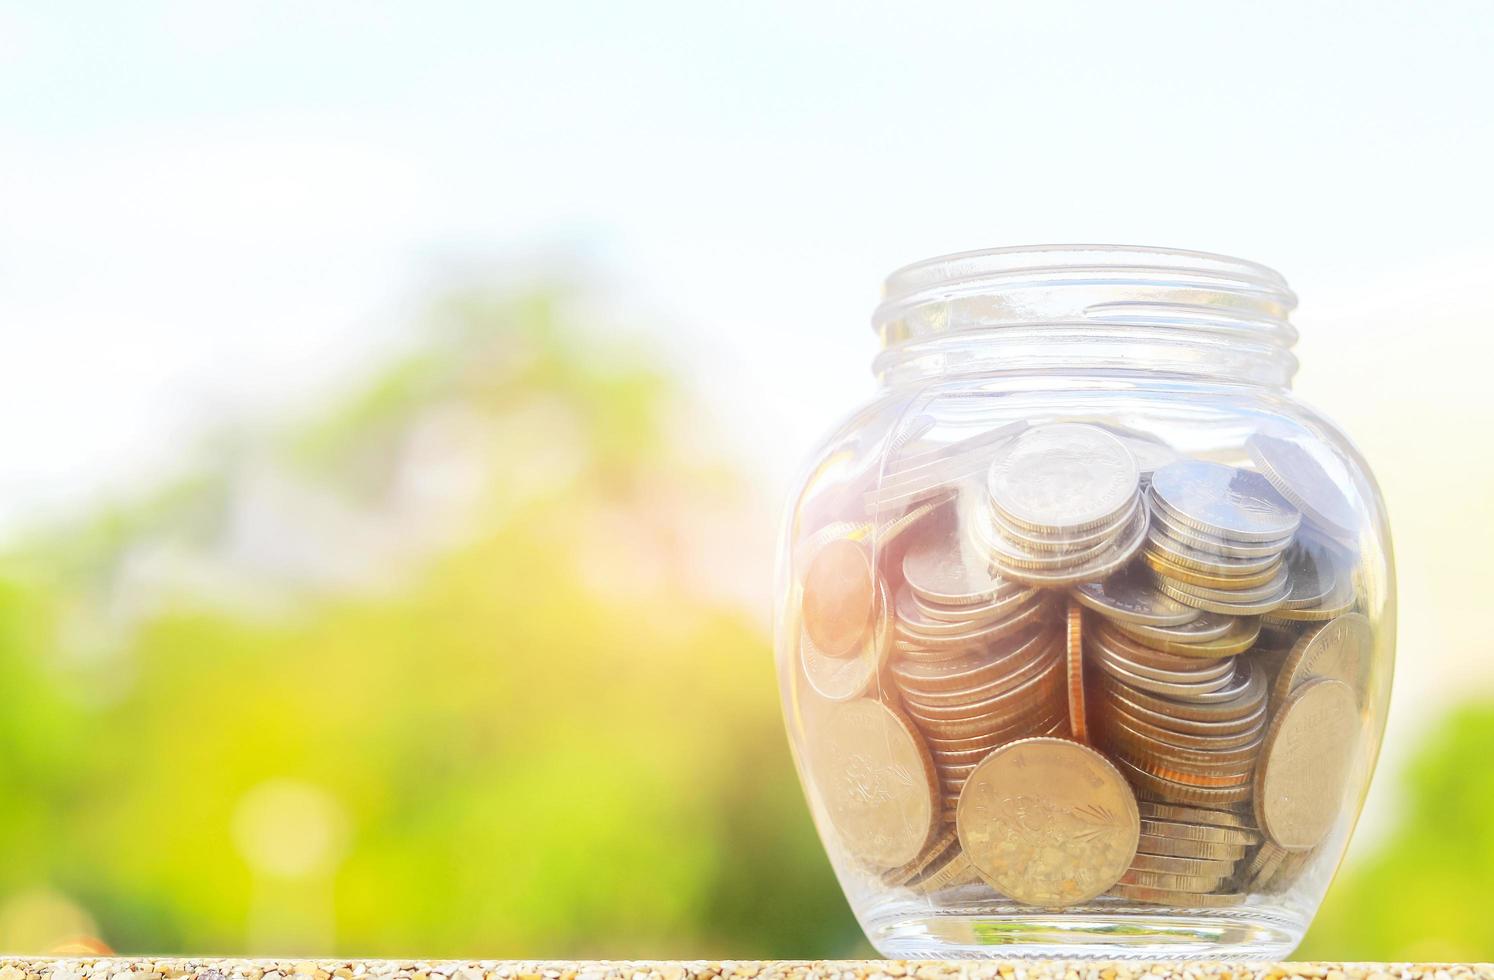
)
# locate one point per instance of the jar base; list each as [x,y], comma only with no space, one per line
[1122,931]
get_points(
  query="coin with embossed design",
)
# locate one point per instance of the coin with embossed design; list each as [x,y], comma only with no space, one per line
[1299,783]
[1048,822]
[1301,479]
[1223,501]
[1339,649]
[840,594]
[876,781]
[1062,476]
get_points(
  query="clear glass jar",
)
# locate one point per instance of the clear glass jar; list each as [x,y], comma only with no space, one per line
[1085,625]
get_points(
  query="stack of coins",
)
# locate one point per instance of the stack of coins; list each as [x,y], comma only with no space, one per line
[1217,538]
[1190,623]
[977,660]
[1064,506]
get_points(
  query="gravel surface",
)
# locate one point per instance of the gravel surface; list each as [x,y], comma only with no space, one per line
[121,968]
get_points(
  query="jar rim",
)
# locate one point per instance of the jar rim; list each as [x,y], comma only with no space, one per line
[1138,261]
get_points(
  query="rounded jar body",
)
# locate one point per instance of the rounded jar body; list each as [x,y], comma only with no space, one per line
[1085,625]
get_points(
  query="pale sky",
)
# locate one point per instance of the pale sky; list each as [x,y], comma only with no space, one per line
[213,211]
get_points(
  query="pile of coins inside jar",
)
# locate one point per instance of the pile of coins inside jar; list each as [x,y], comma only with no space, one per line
[1066,664]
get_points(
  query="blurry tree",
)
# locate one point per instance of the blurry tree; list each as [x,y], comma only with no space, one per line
[452,669]
[1424,894]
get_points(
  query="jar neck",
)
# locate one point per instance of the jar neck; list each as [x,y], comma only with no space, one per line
[1086,309]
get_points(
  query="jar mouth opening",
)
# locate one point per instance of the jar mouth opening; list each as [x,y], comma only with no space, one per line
[1056,264]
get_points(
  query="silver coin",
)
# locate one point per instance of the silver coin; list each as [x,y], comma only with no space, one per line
[1314,578]
[1203,561]
[1129,595]
[985,612]
[1224,501]
[1255,607]
[979,634]
[1007,553]
[1165,523]
[1150,453]
[1113,557]
[1062,476]
[1067,542]
[1181,670]
[1187,689]
[915,624]
[1208,626]
[918,476]
[1278,585]
[944,566]
[1303,481]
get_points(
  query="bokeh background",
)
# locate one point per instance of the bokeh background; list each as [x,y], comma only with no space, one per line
[397,400]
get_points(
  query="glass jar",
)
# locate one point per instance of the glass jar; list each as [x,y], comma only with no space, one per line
[1085,625]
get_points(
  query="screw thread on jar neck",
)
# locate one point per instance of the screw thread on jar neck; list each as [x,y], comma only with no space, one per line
[1086,309]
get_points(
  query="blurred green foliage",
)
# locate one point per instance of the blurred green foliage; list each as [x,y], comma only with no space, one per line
[526,735]
[434,672]
[1424,893]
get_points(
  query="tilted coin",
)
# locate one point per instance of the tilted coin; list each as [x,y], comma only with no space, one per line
[943,565]
[1166,864]
[1304,768]
[1048,822]
[954,869]
[1159,563]
[1302,480]
[1182,847]
[1062,476]
[1223,501]
[1263,865]
[844,678]
[1075,662]
[1117,554]
[1275,589]
[913,477]
[1315,579]
[1192,814]
[1130,596]
[840,593]
[1169,791]
[876,781]
[1208,560]
[1177,899]
[1208,627]
[931,853]
[1198,884]
[1287,871]
[1189,595]
[1199,831]
[1340,649]
[1172,530]
[1150,452]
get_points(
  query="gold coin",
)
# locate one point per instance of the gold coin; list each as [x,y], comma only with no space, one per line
[1193,814]
[840,593]
[1166,864]
[1339,649]
[1193,777]
[1300,782]
[1197,884]
[1182,847]
[953,869]
[1048,822]
[935,849]
[844,678]
[875,780]
[1159,563]
[1164,896]
[1167,791]
[1075,654]
[1197,831]
[1263,865]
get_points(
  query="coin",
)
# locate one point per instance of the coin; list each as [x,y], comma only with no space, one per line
[1175,882]
[943,566]
[1223,501]
[1186,900]
[1207,559]
[1182,847]
[1075,655]
[840,591]
[954,869]
[941,842]
[1193,814]
[1162,565]
[1130,596]
[1196,541]
[1062,476]
[1048,822]
[1198,831]
[876,781]
[1165,864]
[1339,649]
[1027,541]
[844,678]
[1210,602]
[1299,784]
[1302,480]
[1117,554]
[1263,865]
